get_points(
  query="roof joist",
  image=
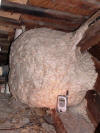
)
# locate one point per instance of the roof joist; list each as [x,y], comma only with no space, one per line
[37,11]
[92,35]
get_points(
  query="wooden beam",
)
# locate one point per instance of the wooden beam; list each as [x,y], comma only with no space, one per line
[3,34]
[2,80]
[4,41]
[97,84]
[38,23]
[58,123]
[92,2]
[3,60]
[90,42]
[32,22]
[19,1]
[9,21]
[5,55]
[93,106]
[4,48]
[92,35]
[10,15]
[9,25]
[6,51]
[76,7]
[44,21]
[7,28]
[97,63]
[68,122]
[95,51]
[37,11]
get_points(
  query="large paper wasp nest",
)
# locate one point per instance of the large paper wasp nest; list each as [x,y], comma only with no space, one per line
[45,63]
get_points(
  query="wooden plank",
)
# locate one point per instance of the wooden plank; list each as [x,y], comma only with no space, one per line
[76,7]
[69,122]
[91,37]
[58,123]
[3,34]
[68,21]
[7,28]
[32,22]
[37,11]
[70,24]
[3,60]
[4,41]
[5,55]
[92,1]
[2,80]
[12,15]
[97,84]
[95,51]
[9,21]
[41,12]
[4,45]
[5,48]
[90,42]
[19,1]
[93,106]
[97,63]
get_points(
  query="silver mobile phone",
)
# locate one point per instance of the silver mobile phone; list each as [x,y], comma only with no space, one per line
[62,103]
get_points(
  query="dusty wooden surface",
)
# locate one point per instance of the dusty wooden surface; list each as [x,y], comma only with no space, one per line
[71,123]
[18,118]
[58,122]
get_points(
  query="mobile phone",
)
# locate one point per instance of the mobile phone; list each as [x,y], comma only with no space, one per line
[62,102]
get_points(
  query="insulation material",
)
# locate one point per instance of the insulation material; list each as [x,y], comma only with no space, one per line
[45,63]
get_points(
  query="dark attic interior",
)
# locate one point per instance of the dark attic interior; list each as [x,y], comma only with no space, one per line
[49,66]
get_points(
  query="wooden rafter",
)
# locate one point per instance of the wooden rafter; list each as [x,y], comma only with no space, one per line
[76,7]
[10,15]
[92,36]
[90,42]
[93,106]
[37,11]
[97,63]
[19,1]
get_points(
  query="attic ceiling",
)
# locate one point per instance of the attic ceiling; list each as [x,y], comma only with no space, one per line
[64,15]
